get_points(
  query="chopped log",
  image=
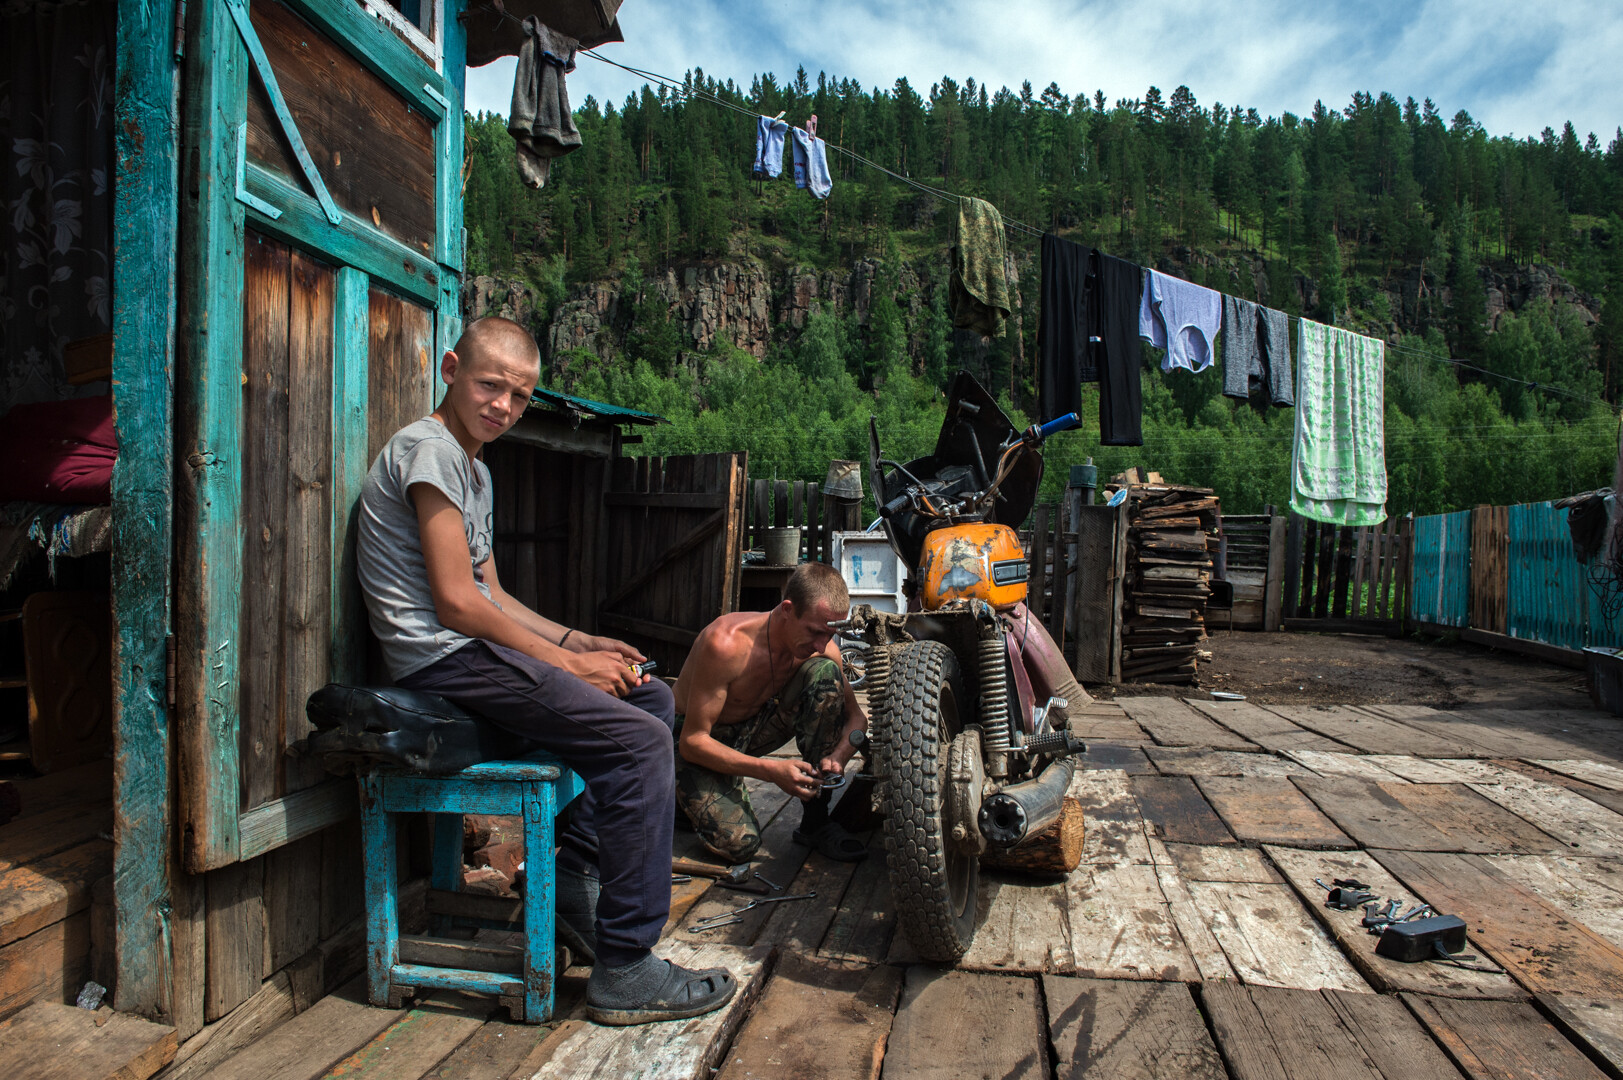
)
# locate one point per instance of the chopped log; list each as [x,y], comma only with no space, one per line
[1057,850]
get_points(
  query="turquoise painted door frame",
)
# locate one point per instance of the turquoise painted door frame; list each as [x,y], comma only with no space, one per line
[222,199]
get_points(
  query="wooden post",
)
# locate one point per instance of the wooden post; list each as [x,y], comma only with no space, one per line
[1271,589]
[1327,565]
[1291,591]
[1309,562]
[1344,567]
[1038,558]
[1059,586]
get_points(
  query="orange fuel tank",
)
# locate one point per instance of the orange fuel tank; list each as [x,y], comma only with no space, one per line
[972,562]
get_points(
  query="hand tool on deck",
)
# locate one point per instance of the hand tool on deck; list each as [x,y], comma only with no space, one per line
[733,875]
[1345,893]
[774,886]
[727,918]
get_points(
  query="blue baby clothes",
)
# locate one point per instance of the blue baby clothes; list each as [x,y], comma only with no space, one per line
[1181,317]
[1338,459]
[811,164]
[769,135]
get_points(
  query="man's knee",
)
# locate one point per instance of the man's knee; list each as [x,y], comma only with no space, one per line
[655,698]
[735,843]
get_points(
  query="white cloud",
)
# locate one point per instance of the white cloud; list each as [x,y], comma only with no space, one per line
[1515,67]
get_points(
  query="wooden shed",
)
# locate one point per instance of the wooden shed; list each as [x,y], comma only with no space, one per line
[285,262]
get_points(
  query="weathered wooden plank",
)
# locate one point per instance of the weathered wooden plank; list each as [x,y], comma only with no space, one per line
[1275,1034]
[1190,921]
[52,1041]
[801,927]
[1588,890]
[1206,863]
[1103,1030]
[1273,589]
[1471,822]
[1269,810]
[208,494]
[672,1050]
[1114,756]
[1541,948]
[307,1046]
[418,1041]
[992,1022]
[496,1051]
[1122,925]
[47,965]
[866,920]
[1488,735]
[39,836]
[1356,766]
[1587,828]
[1177,812]
[1372,734]
[1172,723]
[47,891]
[146,194]
[281,997]
[1371,815]
[1501,1040]
[236,936]
[1391,1036]
[1418,770]
[1267,729]
[1269,939]
[1023,927]
[1612,800]
[1115,825]
[1184,761]
[1596,1023]
[817,1018]
[350,463]
[1302,867]
[292,902]
[1598,773]
[778,859]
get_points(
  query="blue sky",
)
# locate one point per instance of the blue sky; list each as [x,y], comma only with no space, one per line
[1515,66]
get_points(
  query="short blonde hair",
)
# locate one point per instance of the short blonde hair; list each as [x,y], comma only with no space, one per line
[495,335]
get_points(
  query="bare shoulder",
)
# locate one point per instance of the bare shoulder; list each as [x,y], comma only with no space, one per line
[722,648]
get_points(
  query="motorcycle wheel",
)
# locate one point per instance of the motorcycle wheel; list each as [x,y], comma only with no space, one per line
[933,886]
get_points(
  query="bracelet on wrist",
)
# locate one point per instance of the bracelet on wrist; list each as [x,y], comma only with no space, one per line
[564,638]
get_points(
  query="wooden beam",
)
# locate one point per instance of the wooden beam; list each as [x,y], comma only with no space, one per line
[538,428]
[380,50]
[209,496]
[283,820]
[146,191]
[351,346]
[658,631]
[688,542]
[1555,654]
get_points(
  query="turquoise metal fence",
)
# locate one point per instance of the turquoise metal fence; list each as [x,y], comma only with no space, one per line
[1441,589]
[1550,598]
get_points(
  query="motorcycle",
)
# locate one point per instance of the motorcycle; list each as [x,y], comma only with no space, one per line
[967,693]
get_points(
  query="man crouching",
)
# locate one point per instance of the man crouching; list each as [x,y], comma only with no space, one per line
[753,680]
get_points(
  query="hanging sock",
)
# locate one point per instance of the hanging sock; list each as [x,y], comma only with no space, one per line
[978,290]
[1181,317]
[811,164]
[1338,458]
[540,118]
[769,134]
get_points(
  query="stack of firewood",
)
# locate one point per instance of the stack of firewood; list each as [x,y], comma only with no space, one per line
[1171,536]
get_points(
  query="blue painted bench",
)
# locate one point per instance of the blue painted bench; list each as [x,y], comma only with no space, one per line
[536,789]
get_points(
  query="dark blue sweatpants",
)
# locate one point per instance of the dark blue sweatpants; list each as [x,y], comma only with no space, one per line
[622,749]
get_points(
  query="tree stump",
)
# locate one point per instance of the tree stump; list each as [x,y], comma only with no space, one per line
[1055,850]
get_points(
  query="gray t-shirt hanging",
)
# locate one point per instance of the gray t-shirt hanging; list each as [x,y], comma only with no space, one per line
[389,550]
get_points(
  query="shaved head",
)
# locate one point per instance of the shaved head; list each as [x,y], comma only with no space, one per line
[494,337]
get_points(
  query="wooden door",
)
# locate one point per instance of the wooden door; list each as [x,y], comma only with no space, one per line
[319,275]
[672,528]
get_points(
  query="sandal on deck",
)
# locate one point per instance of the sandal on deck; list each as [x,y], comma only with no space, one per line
[833,842]
[683,993]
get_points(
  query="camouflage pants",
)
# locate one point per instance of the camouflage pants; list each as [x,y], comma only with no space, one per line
[811,708]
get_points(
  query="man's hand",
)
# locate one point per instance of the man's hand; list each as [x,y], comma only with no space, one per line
[584,643]
[796,777]
[605,670]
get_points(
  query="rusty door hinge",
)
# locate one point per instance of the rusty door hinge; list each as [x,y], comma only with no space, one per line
[169,668]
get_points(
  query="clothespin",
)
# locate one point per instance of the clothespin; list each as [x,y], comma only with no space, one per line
[778,117]
[811,126]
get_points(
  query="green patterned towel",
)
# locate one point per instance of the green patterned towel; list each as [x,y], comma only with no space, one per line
[1338,461]
[978,292]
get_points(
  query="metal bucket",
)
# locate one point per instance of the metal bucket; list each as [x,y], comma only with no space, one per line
[782,546]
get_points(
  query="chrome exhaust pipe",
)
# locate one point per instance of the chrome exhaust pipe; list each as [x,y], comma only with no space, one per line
[1021,811]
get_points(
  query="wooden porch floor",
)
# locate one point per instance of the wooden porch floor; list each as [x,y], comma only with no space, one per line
[1192,941]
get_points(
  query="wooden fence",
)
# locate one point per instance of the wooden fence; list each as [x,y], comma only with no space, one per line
[777,504]
[1341,577]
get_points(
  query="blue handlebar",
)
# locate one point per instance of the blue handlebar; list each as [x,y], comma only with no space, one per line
[1060,423]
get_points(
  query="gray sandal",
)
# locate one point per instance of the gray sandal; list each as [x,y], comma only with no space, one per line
[681,994]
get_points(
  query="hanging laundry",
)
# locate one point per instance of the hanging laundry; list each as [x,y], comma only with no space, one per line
[1256,352]
[769,135]
[1065,360]
[1181,317]
[1117,355]
[978,290]
[811,164]
[1338,459]
[540,118]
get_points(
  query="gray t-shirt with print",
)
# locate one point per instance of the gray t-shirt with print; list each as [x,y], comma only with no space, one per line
[389,550]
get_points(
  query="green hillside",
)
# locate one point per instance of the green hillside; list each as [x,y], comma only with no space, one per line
[1448,241]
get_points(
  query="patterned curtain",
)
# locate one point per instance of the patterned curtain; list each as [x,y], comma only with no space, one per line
[56,238]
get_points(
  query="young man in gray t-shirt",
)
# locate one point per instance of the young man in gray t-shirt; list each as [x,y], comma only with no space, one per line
[446,626]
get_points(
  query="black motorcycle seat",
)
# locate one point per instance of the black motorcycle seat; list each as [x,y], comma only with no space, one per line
[369,727]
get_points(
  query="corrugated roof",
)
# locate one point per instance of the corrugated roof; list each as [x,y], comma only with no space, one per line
[618,414]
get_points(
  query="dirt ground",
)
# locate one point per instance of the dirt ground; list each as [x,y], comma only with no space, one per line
[1312,669]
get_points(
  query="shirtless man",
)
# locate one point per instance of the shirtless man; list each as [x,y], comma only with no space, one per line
[753,680]
[446,626]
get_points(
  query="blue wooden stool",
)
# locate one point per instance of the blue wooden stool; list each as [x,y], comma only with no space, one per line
[536,788]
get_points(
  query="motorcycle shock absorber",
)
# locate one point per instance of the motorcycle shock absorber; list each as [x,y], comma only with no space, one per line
[993,668]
